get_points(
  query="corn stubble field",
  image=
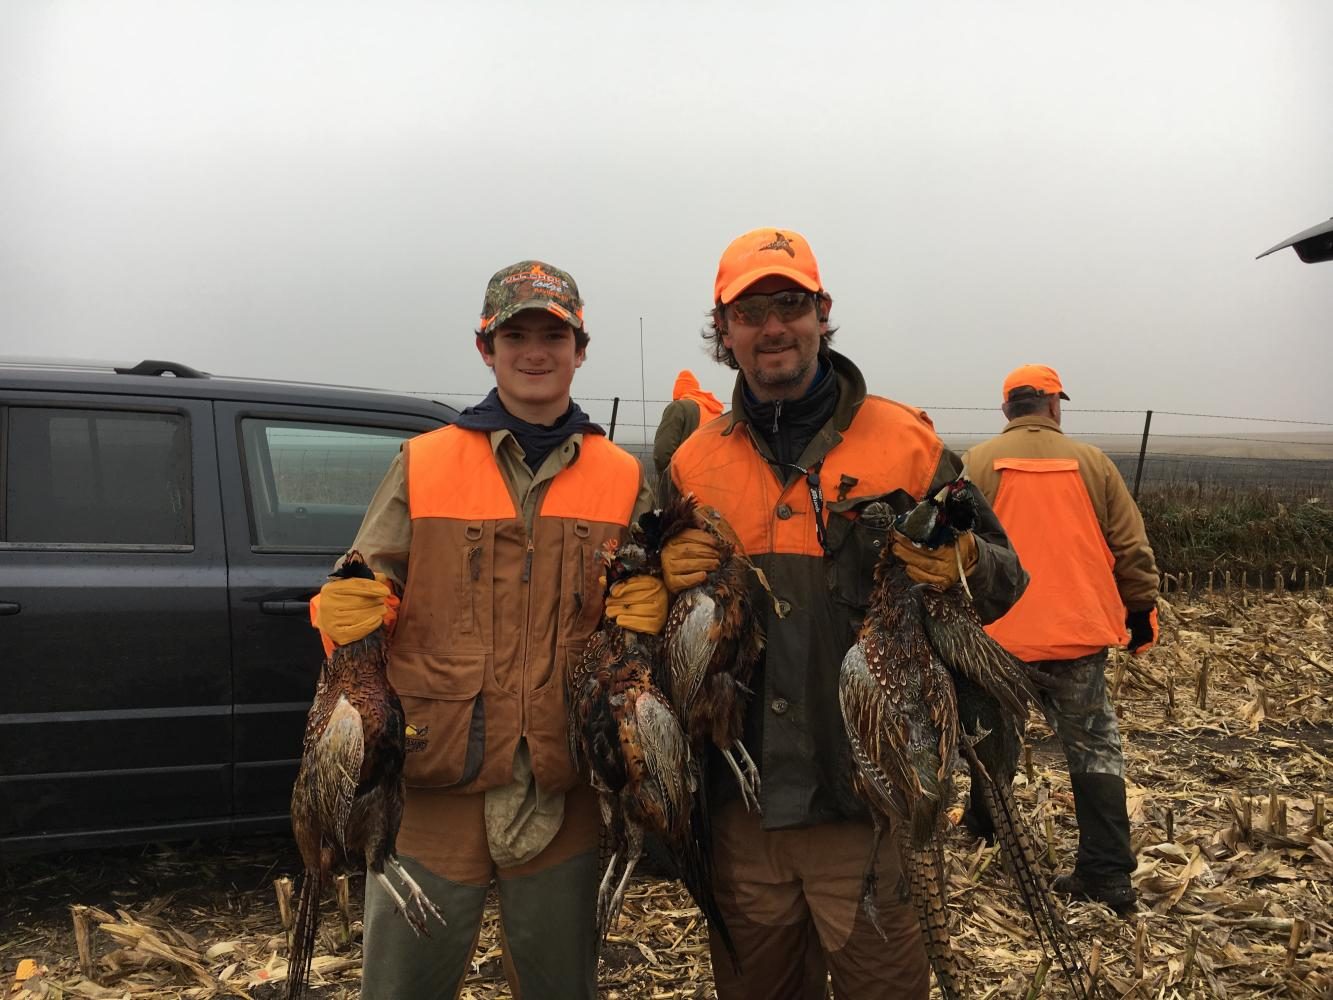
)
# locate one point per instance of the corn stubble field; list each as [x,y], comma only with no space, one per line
[1228,727]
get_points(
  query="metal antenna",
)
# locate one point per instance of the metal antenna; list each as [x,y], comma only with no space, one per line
[643,390]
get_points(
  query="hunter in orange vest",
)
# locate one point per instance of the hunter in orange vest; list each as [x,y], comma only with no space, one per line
[485,535]
[807,469]
[690,408]
[1079,533]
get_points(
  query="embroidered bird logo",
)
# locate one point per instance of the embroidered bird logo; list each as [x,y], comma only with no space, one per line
[780,242]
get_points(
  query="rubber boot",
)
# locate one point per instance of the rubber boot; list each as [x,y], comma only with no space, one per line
[1105,860]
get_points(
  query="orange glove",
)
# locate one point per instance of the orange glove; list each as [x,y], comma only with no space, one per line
[937,567]
[347,610]
[638,604]
[688,559]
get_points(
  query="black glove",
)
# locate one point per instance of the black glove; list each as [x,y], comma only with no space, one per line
[1142,627]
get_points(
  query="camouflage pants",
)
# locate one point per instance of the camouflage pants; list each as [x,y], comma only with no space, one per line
[1080,712]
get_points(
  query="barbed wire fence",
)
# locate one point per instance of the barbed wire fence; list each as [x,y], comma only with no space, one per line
[1168,449]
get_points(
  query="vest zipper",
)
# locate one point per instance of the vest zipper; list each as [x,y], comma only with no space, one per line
[474,571]
[777,411]
[527,638]
[578,580]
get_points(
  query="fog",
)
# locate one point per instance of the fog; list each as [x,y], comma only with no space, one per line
[319,191]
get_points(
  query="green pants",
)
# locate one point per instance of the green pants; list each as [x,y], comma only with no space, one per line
[548,920]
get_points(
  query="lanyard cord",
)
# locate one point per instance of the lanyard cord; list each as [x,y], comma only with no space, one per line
[816,499]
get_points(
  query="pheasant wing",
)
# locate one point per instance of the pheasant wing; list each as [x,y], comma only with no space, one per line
[878,736]
[961,642]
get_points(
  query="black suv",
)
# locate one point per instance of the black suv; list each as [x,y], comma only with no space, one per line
[161,533]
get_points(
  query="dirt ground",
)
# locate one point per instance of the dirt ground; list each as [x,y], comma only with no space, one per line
[1228,727]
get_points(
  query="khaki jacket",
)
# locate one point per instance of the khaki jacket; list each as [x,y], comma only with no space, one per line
[1040,437]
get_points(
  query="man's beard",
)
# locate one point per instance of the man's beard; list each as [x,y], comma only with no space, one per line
[790,376]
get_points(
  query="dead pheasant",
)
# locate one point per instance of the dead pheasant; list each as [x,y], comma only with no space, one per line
[902,722]
[957,635]
[713,642]
[900,707]
[624,730]
[348,798]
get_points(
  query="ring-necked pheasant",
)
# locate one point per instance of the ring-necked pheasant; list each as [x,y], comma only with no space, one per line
[348,798]
[900,709]
[625,732]
[713,643]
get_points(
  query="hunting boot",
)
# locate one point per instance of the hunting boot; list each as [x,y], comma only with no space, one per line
[1105,860]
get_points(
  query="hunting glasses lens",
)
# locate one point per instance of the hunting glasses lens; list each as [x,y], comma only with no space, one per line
[752,310]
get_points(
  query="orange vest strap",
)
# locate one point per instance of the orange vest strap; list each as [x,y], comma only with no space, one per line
[602,484]
[452,472]
[1071,607]
[1036,464]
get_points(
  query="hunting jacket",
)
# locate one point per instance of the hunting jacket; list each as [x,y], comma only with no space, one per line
[875,454]
[500,592]
[1080,533]
[689,407]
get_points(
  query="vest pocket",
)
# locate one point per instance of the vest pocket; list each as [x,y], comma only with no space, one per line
[470,581]
[855,545]
[581,596]
[445,715]
[548,725]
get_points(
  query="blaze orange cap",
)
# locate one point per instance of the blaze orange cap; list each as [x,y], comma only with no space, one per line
[1032,380]
[763,252]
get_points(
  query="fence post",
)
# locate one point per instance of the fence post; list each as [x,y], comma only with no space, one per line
[615,407]
[1143,448]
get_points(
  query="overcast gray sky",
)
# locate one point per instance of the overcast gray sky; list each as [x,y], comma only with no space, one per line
[320,190]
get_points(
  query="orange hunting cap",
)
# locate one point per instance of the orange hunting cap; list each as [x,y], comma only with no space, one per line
[763,252]
[1032,380]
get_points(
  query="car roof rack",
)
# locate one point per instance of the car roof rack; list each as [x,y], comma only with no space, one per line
[174,368]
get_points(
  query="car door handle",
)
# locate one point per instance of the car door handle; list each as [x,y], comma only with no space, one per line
[285,607]
[10,607]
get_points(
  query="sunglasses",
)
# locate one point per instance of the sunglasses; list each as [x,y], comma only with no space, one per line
[752,310]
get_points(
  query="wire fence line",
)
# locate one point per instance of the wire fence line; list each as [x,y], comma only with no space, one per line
[630,401]
[1167,448]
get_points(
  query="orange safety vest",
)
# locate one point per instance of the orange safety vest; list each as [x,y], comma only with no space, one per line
[889,446]
[1071,607]
[687,387]
[492,618]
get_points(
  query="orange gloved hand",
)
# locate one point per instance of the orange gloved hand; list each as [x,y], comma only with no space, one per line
[347,610]
[688,558]
[638,604]
[938,567]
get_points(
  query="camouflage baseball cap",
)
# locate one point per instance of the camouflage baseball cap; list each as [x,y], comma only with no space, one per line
[530,284]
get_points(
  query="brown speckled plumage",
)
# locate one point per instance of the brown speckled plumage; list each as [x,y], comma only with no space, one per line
[625,732]
[900,708]
[347,801]
[902,721]
[713,643]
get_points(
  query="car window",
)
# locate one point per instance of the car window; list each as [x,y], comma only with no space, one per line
[104,477]
[310,483]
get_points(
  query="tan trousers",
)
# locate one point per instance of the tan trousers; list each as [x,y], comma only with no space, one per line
[791,900]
